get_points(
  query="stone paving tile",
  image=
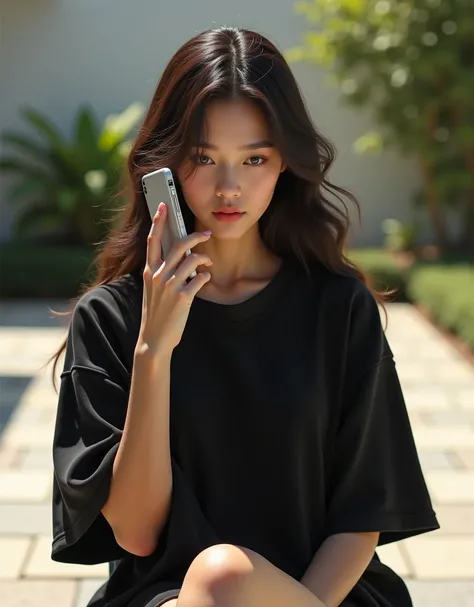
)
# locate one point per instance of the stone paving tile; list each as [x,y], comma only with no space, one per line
[451,371]
[441,557]
[30,416]
[456,461]
[36,458]
[25,351]
[32,313]
[417,418]
[465,398]
[20,486]
[441,594]
[466,456]
[40,565]
[441,438]
[10,457]
[25,519]
[21,435]
[456,520]
[392,556]
[86,590]
[39,396]
[452,417]
[42,399]
[451,488]
[38,593]
[420,399]
[13,551]
[435,460]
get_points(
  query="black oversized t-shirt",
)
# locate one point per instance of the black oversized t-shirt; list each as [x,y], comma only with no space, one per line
[287,425]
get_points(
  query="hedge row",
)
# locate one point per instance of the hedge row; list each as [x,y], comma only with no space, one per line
[444,288]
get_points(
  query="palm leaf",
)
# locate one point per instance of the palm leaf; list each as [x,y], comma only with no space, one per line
[44,126]
[9,164]
[29,187]
[117,126]
[86,131]
[24,143]
[36,220]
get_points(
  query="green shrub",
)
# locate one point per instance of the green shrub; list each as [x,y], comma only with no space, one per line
[385,274]
[44,272]
[447,293]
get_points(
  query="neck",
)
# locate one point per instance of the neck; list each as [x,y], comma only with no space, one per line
[237,261]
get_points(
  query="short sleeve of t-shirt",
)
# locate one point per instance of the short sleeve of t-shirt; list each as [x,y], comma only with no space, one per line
[376,482]
[92,405]
[91,414]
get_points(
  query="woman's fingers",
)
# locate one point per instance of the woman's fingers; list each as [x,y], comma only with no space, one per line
[188,266]
[179,249]
[154,259]
[196,284]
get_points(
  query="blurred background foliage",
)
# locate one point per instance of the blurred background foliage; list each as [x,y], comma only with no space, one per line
[412,63]
[66,190]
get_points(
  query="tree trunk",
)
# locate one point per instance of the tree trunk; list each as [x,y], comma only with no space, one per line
[435,211]
[468,235]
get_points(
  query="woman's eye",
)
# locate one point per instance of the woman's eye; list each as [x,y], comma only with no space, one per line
[256,160]
[203,160]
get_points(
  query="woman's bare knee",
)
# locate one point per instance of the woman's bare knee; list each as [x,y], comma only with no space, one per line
[222,567]
[234,576]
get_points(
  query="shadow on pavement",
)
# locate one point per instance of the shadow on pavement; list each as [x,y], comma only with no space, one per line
[32,313]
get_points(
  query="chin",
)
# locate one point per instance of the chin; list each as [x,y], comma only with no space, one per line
[231,232]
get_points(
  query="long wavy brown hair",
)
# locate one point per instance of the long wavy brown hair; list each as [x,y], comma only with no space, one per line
[304,220]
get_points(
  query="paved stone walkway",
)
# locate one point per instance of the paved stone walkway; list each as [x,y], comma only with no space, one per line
[439,390]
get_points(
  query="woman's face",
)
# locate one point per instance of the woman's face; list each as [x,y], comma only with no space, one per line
[232,184]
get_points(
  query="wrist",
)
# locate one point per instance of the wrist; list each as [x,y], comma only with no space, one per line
[147,355]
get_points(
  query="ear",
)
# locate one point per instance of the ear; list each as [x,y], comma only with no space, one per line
[283,168]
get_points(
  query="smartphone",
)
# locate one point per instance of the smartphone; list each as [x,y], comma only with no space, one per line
[159,186]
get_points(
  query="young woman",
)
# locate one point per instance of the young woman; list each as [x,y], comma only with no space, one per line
[239,439]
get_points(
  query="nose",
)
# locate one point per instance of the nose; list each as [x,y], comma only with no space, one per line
[228,186]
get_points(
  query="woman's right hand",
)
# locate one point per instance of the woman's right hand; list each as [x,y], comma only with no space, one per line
[167,297]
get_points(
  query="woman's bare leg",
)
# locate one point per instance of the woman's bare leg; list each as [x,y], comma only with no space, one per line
[230,576]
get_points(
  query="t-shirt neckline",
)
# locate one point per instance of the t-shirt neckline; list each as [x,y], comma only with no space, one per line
[250,307]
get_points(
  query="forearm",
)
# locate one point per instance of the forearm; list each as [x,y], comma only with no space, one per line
[141,485]
[338,565]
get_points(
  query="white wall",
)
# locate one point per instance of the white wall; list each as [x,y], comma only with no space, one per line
[56,54]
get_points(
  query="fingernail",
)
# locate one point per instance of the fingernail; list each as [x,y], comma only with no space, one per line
[207,232]
[161,207]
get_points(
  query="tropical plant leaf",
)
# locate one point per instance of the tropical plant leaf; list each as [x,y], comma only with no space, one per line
[9,164]
[24,143]
[36,221]
[117,126]
[86,131]
[44,126]
[67,199]
[29,187]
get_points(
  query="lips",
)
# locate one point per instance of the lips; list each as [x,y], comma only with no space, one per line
[228,210]
[228,214]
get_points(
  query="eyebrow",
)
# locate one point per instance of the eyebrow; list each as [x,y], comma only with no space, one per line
[256,145]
